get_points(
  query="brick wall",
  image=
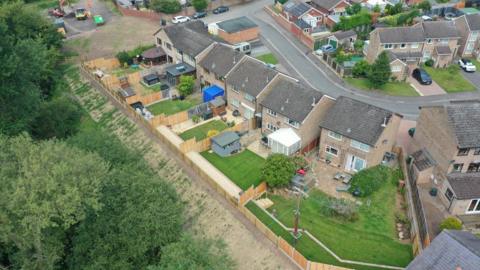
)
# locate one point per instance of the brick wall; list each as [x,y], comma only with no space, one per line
[234,38]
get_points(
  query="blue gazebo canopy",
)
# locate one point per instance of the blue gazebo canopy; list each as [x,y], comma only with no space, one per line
[212,92]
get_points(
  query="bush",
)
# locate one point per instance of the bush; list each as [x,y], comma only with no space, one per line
[429,63]
[299,162]
[200,5]
[351,22]
[195,119]
[278,170]
[360,69]
[358,45]
[337,208]
[126,57]
[425,5]
[185,87]
[166,6]
[212,133]
[451,223]
[370,180]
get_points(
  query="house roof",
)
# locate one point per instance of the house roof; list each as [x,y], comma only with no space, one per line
[450,250]
[295,8]
[401,34]
[464,119]
[236,25]
[339,35]
[440,29]
[225,138]
[153,53]
[465,185]
[285,136]
[422,159]
[291,99]
[221,59]
[302,24]
[250,76]
[190,37]
[327,4]
[356,120]
[473,21]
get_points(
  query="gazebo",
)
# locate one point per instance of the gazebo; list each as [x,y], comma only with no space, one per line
[284,141]
[154,56]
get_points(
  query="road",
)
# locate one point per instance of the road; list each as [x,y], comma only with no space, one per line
[313,72]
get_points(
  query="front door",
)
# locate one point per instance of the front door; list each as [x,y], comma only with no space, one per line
[354,164]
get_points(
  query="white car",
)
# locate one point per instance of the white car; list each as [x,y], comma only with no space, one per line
[466,65]
[180,19]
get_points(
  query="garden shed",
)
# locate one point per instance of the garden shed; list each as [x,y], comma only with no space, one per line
[211,92]
[175,71]
[151,79]
[154,56]
[226,144]
[218,106]
[284,141]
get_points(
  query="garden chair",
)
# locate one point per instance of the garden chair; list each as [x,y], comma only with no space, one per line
[344,188]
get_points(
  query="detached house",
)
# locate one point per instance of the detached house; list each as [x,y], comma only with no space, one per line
[302,15]
[332,10]
[357,135]
[468,27]
[292,106]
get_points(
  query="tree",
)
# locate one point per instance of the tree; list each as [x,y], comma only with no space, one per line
[200,5]
[190,253]
[425,5]
[354,9]
[278,170]
[376,8]
[451,223]
[186,85]
[360,69]
[395,9]
[47,188]
[166,6]
[380,71]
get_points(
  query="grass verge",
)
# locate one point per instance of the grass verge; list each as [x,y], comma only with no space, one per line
[450,79]
[391,88]
[268,58]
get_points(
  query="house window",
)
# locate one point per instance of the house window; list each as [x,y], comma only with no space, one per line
[249,97]
[292,123]
[331,150]
[306,30]
[403,45]
[335,135]
[473,167]
[396,68]
[473,36]
[463,152]
[234,89]
[476,151]
[360,146]
[429,41]
[272,113]
[168,46]
[159,41]
[235,103]
[457,167]
[474,206]
[443,41]
[272,127]
[449,194]
[388,46]
[414,45]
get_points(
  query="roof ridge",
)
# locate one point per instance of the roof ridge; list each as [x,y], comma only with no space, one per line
[452,235]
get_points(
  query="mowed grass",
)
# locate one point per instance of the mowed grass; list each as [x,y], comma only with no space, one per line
[200,132]
[391,88]
[268,58]
[372,238]
[169,107]
[450,79]
[244,168]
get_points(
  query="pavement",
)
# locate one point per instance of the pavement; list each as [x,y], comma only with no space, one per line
[474,77]
[426,90]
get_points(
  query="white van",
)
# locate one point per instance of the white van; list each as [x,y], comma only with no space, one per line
[244,47]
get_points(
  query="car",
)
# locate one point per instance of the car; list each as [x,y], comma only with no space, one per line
[80,14]
[449,16]
[328,48]
[199,14]
[221,9]
[422,76]
[467,65]
[180,19]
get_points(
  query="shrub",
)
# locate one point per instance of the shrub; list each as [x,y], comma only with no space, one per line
[126,57]
[200,5]
[195,119]
[358,45]
[337,208]
[370,180]
[380,72]
[166,6]
[212,133]
[185,87]
[299,162]
[351,22]
[360,69]
[451,223]
[278,170]
[400,217]
[425,5]
[429,62]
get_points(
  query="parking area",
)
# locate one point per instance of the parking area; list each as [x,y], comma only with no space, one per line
[95,7]
[426,90]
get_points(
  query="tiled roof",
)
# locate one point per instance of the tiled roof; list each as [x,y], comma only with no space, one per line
[326,4]
[465,185]
[356,120]
[221,59]
[339,35]
[443,50]
[440,29]
[473,21]
[226,138]
[191,37]
[401,34]
[302,24]
[464,119]
[295,8]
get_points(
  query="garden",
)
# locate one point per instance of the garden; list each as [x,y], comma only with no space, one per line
[169,107]
[450,79]
[268,58]
[244,168]
[202,131]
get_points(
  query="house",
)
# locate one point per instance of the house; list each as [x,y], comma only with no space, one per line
[238,30]
[343,38]
[450,250]
[289,104]
[468,27]
[446,155]
[183,42]
[356,135]
[215,63]
[303,15]
[441,42]
[226,143]
[331,7]
[245,85]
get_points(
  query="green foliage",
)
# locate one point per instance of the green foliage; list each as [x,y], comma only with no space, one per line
[300,162]
[200,5]
[278,170]
[401,19]
[186,85]
[190,253]
[370,180]
[361,69]
[351,22]
[358,45]
[376,8]
[47,188]
[429,62]
[425,5]
[380,71]
[451,223]
[126,57]
[354,9]
[166,6]
[395,9]
[336,208]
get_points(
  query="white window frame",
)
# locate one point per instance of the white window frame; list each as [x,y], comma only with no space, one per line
[249,98]
[388,46]
[396,68]
[429,41]
[443,41]
[295,124]
[335,136]
[234,90]
[328,148]
[476,208]
[360,146]
[272,127]
[235,103]
[272,113]
[414,45]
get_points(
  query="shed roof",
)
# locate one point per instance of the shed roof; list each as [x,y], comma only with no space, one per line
[225,138]
[302,24]
[422,159]
[153,53]
[236,24]
[465,185]
[221,59]
[179,69]
[339,35]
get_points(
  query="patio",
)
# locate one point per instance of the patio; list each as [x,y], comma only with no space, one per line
[325,179]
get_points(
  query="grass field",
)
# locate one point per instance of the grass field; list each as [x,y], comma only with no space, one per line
[200,132]
[244,169]
[268,58]
[169,107]
[450,79]
[391,88]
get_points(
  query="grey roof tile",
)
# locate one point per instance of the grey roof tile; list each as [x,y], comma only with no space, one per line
[296,8]
[221,59]
[326,4]
[440,29]
[401,34]
[302,24]
[473,21]
[191,37]
[225,138]
[464,119]
[465,185]
[250,76]
[443,50]
[236,25]
[356,120]
[344,34]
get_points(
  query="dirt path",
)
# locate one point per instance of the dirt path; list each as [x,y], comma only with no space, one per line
[208,214]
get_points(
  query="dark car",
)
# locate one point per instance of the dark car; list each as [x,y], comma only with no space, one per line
[199,14]
[422,76]
[220,9]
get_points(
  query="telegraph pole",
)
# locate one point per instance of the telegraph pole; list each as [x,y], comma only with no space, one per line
[297,218]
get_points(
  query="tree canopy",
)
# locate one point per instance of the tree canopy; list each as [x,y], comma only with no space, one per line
[186,85]
[200,5]
[166,6]
[278,170]
[379,72]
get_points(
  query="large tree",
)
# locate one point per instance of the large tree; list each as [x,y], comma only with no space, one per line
[166,6]
[380,72]
[200,5]
[278,170]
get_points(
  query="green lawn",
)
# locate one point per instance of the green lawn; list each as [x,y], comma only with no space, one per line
[244,169]
[120,72]
[268,58]
[200,132]
[391,88]
[169,107]
[450,79]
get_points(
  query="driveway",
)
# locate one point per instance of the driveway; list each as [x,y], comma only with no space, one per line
[75,27]
[426,90]
[474,77]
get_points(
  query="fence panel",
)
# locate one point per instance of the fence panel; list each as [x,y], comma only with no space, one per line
[285,247]
[300,259]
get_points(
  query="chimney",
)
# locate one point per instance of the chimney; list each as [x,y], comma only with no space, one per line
[246,79]
[282,108]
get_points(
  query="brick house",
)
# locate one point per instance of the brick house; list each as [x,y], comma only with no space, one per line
[238,30]
[183,42]
[446,154]
[290,104]
[246,86]
[214,64]
[468,27]
[331,10]
[356,135]
[303,15]
[441,42]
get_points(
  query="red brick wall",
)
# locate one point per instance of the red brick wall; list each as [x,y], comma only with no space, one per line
[233,38]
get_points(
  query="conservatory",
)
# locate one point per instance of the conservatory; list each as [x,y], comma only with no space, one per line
[284,141]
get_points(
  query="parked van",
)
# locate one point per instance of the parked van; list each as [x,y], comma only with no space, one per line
[244,47]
